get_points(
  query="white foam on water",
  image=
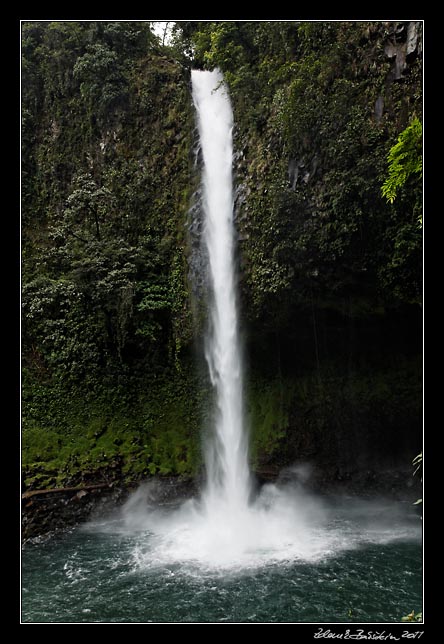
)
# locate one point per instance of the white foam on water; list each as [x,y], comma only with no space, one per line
[283,525]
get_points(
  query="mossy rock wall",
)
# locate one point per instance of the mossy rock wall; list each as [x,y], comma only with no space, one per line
[114,382]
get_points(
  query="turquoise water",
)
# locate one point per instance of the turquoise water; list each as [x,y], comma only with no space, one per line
[96,573]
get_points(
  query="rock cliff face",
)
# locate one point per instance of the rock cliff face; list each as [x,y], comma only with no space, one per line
[404,45]
[330,271]
[113,271]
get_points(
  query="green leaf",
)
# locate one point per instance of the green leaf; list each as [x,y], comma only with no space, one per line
[404,159]
[412,617]
[417,459]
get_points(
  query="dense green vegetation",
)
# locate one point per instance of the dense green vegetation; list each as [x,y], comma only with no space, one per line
[328,140]
[317,112]
[106,185]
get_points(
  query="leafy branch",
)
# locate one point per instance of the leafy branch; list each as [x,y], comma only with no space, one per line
[404,159]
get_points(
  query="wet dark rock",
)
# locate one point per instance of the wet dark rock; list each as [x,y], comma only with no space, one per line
[300,170]
[412,38]
[404,45]
[398,484]
[54,511]
[379,108]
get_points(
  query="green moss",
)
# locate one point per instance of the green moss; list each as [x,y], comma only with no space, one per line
[267,409]
[158,434]
[40,444]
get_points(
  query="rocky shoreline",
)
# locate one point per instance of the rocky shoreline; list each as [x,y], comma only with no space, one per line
[45,512]
[50,511]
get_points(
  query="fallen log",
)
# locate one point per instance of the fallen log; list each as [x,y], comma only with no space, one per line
[58,490]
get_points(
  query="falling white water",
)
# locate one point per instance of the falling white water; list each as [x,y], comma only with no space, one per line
[228,478]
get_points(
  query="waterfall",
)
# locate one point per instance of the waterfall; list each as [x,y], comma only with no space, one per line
[225,528]
[228,476]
